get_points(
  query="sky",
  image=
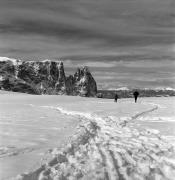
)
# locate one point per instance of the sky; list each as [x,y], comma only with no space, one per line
[125,43]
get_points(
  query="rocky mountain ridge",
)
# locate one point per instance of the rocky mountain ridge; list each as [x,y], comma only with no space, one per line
[44,77]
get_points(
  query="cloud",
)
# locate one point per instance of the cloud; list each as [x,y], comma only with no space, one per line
[94,64]
[126,38]
[110,24]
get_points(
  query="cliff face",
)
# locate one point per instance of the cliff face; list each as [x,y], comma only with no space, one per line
[45,77]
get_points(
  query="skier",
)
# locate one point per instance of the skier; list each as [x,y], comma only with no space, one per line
[116,97]
[136,94]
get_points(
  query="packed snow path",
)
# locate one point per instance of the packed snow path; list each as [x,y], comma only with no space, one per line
[110,148]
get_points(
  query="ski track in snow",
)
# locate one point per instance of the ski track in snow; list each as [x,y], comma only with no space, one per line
[144,112]
[13,151]
[106,148]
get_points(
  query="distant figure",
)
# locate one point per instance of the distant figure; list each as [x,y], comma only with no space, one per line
[136,94]
[116,98]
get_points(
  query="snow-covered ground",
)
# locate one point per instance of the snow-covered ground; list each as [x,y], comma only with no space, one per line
[123,140]
[27,132]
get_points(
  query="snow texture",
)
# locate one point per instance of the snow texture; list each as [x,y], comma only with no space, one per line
[110,148]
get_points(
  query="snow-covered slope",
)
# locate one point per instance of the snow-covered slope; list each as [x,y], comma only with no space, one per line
[113,140]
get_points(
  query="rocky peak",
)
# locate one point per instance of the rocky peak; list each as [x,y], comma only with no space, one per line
[77,74]
[61,71]
[86,70]
[84,82]
[60,85]
[45,77]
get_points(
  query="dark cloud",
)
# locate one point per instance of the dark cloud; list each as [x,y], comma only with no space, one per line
[69,32]
[89,30]
[114,22]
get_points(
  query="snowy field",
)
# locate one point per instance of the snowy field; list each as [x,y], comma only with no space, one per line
[28,131]
[65,137]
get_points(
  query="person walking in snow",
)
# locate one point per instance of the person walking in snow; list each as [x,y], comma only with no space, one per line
[136,94]
[116,98]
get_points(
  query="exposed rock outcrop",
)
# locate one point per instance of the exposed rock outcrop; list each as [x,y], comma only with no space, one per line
[44,77]
[84,82]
